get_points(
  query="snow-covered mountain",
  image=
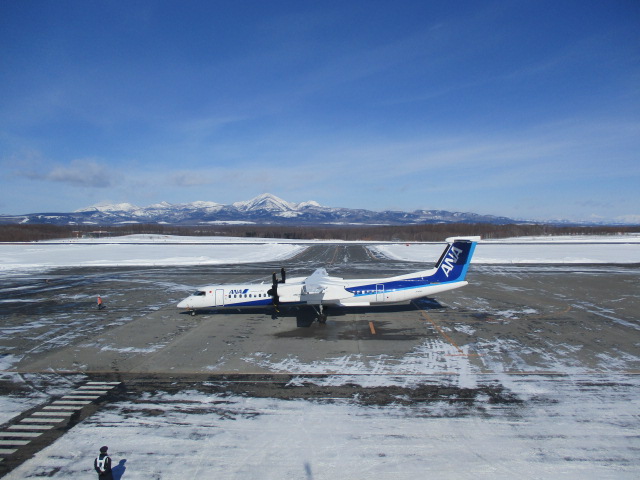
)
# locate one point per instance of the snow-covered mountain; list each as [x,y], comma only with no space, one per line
[105,207]
[263,209]
[265,202]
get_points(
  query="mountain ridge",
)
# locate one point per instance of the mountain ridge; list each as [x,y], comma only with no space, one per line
[263,209]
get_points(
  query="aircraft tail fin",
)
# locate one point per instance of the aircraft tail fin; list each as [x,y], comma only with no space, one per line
[455,260]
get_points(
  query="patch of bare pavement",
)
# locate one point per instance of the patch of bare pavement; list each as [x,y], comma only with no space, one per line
[516,342]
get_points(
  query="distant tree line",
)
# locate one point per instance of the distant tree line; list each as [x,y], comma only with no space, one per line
[399,233]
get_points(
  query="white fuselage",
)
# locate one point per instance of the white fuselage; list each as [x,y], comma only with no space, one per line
[320,289]
[361,292]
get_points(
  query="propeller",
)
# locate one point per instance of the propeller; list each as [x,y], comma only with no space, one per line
[273,291]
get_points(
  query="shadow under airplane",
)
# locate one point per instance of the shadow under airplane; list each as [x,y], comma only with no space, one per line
[305,315]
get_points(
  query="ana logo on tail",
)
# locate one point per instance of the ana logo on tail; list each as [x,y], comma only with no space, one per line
[450,260]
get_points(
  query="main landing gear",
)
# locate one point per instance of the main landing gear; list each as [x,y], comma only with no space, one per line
[322,317]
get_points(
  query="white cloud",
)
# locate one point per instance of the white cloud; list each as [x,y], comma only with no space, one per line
[80,173]
[190,179]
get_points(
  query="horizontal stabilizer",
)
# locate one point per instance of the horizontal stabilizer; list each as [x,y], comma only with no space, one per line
[463,239]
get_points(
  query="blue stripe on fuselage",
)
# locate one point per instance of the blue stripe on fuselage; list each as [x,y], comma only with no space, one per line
[452,269]
[394,286]
[250,303]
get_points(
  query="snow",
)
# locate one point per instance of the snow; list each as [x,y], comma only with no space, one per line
[211,206]
[310,203]
[195,434]
[166,250]
[575,425]
[139,250]
[622,249]
[105,207]
[265,201]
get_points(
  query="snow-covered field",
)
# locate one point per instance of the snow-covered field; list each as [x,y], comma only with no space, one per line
[161,250]
[622,249]
[193,435]
[140,250]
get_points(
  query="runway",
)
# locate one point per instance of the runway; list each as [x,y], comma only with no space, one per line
[517,344]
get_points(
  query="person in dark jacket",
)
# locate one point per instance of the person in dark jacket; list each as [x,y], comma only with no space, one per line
[102,465]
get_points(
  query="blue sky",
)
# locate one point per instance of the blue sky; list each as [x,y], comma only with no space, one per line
[529,109]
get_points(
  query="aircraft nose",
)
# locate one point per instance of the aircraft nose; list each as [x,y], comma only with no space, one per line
[183,304]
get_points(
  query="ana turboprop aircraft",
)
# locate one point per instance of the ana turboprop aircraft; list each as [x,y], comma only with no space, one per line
[320,290]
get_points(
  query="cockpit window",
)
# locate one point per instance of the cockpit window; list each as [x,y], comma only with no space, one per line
[199,293]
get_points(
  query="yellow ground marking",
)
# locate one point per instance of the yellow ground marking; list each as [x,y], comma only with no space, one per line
[372,328]
[447,337]
[335,254]
[371,255]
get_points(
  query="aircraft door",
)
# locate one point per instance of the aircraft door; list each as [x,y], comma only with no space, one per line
[220,297]
[379,293]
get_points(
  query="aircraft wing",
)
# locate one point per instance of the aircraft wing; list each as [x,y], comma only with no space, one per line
[320,287]
[316,282]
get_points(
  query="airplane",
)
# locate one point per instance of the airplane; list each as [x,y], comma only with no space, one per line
[319,290]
